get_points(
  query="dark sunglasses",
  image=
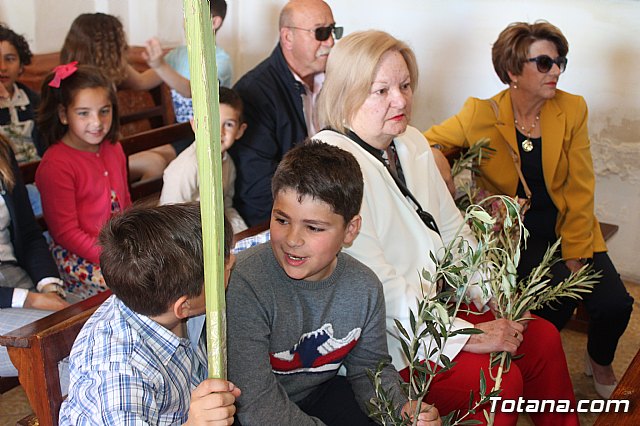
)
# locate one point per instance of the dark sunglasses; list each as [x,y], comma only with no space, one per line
[545,63]
[323,33]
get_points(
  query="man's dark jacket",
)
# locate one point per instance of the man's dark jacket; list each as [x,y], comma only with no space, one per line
[275,123]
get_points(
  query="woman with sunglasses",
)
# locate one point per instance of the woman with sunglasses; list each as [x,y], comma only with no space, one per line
[547,128]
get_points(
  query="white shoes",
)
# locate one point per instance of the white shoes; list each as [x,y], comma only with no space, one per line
[604,391]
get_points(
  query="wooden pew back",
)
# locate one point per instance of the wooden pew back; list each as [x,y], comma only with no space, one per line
[150,139]
[36,349]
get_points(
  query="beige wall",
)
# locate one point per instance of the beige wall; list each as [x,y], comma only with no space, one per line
[452,40]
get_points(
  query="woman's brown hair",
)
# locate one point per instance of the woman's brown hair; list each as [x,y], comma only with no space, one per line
[511,50]
[97,39]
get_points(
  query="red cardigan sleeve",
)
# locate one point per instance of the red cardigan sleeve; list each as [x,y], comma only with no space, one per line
[57,185]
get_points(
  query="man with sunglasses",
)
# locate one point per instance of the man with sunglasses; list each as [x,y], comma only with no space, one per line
[546,129]
[279,97]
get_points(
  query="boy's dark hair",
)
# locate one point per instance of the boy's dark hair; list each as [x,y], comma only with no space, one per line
[85,77]
[218,8]
[19,42]
[151,256]
[323,172]
[230,97]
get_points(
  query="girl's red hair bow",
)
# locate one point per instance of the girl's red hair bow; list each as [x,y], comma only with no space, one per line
[61,72]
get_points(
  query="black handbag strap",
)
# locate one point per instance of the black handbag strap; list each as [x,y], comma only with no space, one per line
[426,217]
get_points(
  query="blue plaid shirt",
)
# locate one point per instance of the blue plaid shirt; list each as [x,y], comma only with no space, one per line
[128,369]
[251,241]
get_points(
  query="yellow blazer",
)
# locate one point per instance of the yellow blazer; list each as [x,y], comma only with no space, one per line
[566,160]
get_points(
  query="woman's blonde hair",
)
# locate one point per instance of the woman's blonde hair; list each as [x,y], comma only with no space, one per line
[351,69]
[97,39]
[6,169]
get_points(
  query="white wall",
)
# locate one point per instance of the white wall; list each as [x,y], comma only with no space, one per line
[452,40]
[45,22]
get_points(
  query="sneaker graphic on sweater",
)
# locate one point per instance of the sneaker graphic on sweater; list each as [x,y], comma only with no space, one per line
[316,352]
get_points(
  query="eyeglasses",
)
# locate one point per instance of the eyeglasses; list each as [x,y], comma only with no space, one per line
[545,63]
[323,33]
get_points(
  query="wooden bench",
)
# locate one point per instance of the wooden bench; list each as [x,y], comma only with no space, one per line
[150,139]
[37,348]
[627,389]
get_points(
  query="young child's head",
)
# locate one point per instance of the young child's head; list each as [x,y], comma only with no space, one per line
[97,39]
[14,55]
[218,10]
[83,109]
[317,193]
[152,257]
[232,125]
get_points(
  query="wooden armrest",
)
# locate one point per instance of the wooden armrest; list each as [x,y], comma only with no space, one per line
[608,230]
[36,349]
[54,323]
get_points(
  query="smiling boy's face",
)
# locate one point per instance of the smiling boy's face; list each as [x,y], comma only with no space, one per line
[307,235]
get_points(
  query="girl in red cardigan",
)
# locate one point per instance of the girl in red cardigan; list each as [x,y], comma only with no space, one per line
[83,174]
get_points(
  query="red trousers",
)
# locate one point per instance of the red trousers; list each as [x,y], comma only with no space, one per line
[541,374]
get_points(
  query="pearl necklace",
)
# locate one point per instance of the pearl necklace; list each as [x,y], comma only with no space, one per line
[527,145]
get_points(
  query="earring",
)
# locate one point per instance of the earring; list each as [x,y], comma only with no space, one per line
[515,84]
[64,122]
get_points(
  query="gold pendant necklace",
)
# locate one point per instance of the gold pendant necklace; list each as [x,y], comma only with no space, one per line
[527,144]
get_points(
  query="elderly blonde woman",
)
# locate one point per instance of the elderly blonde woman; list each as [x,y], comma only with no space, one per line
[407,213]
[547,128]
